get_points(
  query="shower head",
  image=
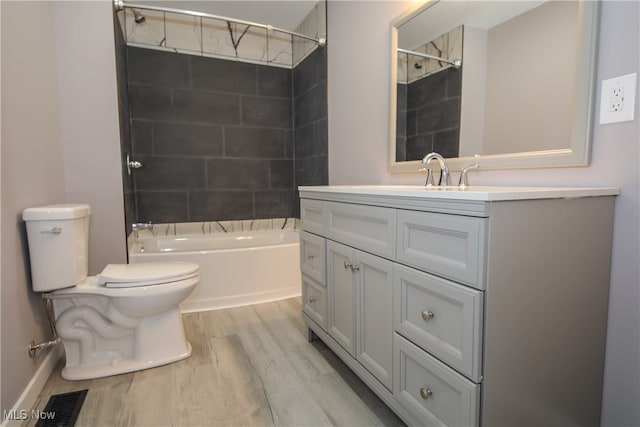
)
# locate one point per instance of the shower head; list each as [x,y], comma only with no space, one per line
[138,16]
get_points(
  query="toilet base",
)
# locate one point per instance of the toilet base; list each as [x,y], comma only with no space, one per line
[118,367]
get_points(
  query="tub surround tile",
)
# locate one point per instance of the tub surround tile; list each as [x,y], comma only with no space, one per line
[221,148]
[223,76]
[157,68]
[224,204]
[150,102]
[162,206]
[272,81]
[170,173]
[266,112]
[255,142]
[142,137]
[188,139]
[205,107]
[238,174]
[281,174]
[270,203]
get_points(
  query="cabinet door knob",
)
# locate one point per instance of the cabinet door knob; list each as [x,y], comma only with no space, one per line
[355,268]
[425,393]
[312,300]
[347,264]
[310,258]
[427,315]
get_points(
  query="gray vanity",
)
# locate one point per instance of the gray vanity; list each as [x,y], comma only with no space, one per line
[477,306]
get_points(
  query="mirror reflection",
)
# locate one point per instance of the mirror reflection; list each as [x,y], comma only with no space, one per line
[523,90]
[429,89]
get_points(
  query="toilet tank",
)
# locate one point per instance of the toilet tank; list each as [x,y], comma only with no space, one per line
[58,237]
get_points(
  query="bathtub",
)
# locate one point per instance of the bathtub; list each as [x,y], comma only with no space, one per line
[236,268]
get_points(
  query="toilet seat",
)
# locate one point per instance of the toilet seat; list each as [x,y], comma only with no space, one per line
[146,274]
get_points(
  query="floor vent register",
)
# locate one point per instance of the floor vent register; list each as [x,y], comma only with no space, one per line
[62,410]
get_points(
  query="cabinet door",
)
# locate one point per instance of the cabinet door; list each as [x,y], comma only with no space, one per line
[374,319]
[341,289]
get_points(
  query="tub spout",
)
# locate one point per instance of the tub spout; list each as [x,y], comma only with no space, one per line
[142,226]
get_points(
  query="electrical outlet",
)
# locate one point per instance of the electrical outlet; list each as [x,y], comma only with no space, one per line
[617,99]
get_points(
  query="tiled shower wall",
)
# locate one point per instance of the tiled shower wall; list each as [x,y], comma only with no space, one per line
[125,128]
[428,99]
[432,115]
[216,137]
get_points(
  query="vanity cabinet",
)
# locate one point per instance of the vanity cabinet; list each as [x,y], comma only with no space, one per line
[360,288]
[462,307]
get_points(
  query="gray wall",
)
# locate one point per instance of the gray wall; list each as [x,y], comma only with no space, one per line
[358,150]
[59,144]
[32,175]
[216,137]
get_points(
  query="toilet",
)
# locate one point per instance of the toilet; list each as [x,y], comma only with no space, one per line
[125,319]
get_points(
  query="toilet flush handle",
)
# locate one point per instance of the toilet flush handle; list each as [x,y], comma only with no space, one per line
[54,230]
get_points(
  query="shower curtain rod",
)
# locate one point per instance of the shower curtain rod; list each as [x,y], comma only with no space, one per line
[120,4]
[456,62]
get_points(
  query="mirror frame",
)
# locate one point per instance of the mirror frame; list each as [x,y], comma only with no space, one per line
[579,151]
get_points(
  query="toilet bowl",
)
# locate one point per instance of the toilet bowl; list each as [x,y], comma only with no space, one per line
[125,319]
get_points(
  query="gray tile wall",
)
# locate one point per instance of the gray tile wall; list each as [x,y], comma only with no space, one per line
[216,137]
[433,115]
[130,213]
[310,121]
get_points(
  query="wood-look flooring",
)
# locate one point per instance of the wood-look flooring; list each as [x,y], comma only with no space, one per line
[250,366]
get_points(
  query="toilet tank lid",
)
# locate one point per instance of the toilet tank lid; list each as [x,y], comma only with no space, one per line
[56,212]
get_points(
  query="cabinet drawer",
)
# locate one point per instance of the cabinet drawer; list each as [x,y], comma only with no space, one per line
[432,392]
[312,249]
[442,317]
[369,228]
[312,215]
[314,301]
[451,246]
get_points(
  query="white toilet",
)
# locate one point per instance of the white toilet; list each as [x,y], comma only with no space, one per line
[125,319]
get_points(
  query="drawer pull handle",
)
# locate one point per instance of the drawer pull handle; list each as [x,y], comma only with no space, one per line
[425,393]
[312,300]
[310,258]
[427,315]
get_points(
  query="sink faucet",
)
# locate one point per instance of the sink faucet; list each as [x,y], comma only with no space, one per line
[445,179]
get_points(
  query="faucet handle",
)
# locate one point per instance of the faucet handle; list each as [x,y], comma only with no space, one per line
[429,181]
[463,175]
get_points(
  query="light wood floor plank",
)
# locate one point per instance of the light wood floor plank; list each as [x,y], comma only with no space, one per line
[250,366]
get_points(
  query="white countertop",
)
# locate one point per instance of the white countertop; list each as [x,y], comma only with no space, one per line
[477,193]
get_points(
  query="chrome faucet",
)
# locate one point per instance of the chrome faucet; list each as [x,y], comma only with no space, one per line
[445,179]
[142,226]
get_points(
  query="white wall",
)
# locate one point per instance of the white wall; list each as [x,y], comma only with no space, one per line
[32,175]
[358,95]
[60,143]
[89,123]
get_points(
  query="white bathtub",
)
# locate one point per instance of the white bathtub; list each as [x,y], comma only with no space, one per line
[237,268]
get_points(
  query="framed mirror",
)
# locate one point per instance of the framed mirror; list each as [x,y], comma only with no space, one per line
[506,84]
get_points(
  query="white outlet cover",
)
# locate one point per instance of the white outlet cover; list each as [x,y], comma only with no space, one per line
[613,109]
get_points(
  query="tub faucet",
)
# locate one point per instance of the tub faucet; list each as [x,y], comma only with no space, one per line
[142,226]
[445,179]
[137,226]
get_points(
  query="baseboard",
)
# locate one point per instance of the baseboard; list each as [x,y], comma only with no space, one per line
[29,396]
